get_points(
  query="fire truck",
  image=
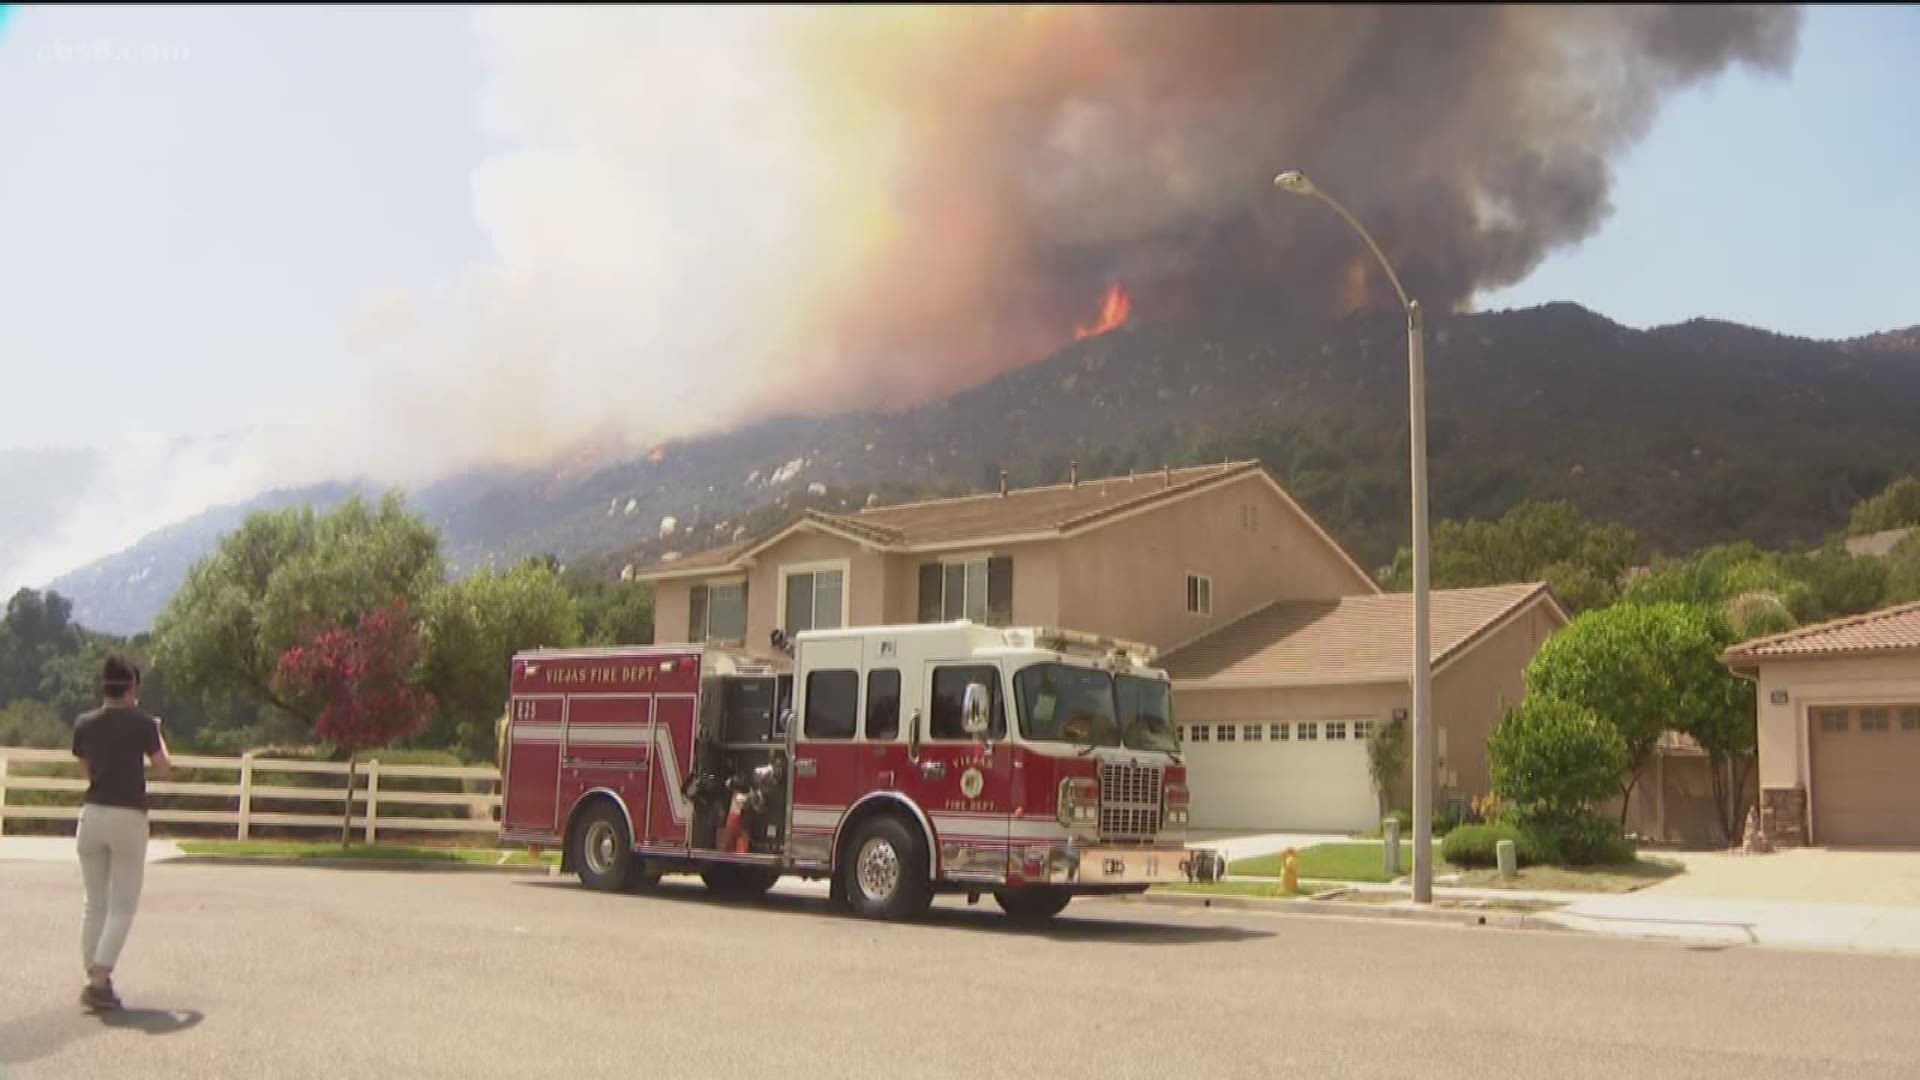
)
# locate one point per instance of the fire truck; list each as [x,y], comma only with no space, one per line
[894,762]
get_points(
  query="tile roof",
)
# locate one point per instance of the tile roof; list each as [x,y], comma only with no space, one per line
[1889,630]
[1352,639]
[1031,510]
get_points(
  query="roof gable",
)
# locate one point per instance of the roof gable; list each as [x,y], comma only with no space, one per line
[1352,639]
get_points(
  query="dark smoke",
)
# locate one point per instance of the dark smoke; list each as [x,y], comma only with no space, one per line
[1055,153]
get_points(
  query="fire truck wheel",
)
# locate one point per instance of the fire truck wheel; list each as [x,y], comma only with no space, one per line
[1032,904]
[602,853]
[884,870]
[740,882]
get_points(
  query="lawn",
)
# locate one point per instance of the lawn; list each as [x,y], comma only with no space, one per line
[1335,862]
[297,849]
[1596,879]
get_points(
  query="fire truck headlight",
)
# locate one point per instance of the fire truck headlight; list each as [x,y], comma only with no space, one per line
[1079,802]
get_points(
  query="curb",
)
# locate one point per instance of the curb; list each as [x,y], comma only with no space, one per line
[1504,920]
[443,865]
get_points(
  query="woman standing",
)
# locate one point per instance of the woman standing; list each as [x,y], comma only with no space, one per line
[114,744]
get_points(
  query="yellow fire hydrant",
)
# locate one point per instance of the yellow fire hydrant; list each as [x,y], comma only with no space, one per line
[1289,872]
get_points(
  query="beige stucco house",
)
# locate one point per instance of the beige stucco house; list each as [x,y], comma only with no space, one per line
[1201,563]
[1839,728]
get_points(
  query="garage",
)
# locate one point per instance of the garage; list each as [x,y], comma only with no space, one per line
[1309,775]
[1838,729]
[1866,774]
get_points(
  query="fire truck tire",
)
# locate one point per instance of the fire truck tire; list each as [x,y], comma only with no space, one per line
[738,882]
[883,871]
[1035,904]
[602,851]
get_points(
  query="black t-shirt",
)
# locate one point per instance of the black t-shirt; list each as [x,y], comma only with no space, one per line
[115,742]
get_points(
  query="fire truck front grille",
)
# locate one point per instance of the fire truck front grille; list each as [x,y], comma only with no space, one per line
[1129,801]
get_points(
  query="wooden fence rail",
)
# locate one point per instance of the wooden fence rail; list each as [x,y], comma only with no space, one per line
[368,797]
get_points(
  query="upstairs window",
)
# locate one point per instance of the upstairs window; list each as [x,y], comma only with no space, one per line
[815,600]
[718,614]
[1199,594]
[977,590]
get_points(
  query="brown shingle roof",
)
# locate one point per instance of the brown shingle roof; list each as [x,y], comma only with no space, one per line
[1352,639]
[1033,510]
[1894,629]
[1022,512]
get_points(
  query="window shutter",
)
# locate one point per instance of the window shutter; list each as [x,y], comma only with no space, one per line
[697,613]
[1000,590]
[930,592]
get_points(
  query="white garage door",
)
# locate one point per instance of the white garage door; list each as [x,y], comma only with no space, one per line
[1291,775]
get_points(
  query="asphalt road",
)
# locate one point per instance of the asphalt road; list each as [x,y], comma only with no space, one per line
[269,972]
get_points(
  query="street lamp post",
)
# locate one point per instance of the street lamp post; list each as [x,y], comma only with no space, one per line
[1423,741]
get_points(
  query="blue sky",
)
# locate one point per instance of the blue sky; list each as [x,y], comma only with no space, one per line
[199,206]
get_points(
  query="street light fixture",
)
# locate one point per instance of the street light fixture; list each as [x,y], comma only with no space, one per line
[1423,741]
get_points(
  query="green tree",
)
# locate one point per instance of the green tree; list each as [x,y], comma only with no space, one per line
[473,628]
[1714,707]
[1896,507]
[612,612]
[1581,560]
[1387,759]
[1553,759]
[1614,663]
[1903,571]
[33,723]
[283,578]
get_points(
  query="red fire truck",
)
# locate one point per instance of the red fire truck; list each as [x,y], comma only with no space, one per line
[895,762]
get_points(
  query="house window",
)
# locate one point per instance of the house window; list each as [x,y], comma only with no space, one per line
[1363,730]
[833,700]
[1252,732]
[883,705]
[718,613]
[1875,720]
[1336,730]
[815,600]
[1910,718]
[1226,732]
[1832,721]
[1279,732]
[1199,594]
[1307,730]
[1201,733]
[978,590]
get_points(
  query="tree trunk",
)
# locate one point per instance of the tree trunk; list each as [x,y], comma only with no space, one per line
[1743,766]
[346,814]
[1626,796]
[1717,778]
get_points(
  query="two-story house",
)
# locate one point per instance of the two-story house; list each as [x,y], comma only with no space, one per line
[1264,621]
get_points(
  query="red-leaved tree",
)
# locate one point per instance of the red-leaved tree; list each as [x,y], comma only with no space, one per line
[356,681]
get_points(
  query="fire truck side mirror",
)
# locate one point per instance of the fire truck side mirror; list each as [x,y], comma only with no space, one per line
[974,711]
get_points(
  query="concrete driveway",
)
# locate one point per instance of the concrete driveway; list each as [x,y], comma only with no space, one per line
[1817,875]
[1246,845]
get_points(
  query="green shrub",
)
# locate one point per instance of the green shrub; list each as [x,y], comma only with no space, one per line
[1553,759]
[1581,840]
[1473,845]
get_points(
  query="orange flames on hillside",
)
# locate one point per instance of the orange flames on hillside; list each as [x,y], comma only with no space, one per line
[1114,309]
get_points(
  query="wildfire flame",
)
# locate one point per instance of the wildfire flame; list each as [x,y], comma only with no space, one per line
[1114,309]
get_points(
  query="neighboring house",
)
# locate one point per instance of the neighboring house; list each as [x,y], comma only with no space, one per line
[1839,728]
[1166,558]
[1276,709]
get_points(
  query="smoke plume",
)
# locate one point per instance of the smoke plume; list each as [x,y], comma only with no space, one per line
[714,214]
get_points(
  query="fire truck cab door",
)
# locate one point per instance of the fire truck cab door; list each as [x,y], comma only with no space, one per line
[964,780]
[828,767]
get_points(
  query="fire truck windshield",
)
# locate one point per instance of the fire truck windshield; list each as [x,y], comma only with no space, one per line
[1084,706]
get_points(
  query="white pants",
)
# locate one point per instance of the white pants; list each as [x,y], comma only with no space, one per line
[113,859]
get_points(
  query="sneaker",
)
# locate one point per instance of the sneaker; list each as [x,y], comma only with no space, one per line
[99,998]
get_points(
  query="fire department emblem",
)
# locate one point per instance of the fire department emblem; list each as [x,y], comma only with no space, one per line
[971,783]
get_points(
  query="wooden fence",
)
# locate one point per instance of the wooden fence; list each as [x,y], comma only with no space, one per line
[242,794]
